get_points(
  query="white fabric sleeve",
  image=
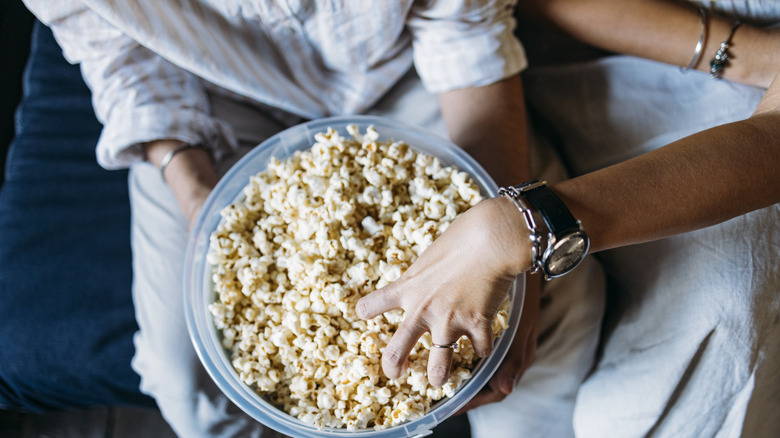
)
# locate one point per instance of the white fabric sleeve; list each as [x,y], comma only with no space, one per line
[137,95]
[468,43]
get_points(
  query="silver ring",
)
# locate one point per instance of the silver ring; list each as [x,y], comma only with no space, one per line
[451,346]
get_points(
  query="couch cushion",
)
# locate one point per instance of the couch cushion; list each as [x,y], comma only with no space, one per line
[65,272]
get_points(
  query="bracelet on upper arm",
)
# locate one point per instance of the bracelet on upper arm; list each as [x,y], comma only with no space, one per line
[700,43]
[718,63]
[183,147]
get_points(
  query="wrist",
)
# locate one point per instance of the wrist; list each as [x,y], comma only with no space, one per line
[156,150]
[517,240]
[567,242]
[754,53]
[756,56]
[189,172]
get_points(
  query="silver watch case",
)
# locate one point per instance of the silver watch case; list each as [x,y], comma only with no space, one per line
[564,253]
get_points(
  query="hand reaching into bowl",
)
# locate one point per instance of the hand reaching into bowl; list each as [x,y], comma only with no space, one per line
[455,288]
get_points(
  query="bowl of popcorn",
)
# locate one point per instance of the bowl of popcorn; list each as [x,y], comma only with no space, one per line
[291,238]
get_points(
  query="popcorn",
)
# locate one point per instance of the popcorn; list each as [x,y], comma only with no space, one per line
[313,234]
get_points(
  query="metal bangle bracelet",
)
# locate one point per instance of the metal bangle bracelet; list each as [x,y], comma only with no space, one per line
[536,239]
[169,156]
[700,43]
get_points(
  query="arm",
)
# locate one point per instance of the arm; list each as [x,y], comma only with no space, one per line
[698,181]
[489,122]
[663,31]
[468,55]
[147,105]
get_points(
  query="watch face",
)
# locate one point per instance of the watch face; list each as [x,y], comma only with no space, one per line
[566,254]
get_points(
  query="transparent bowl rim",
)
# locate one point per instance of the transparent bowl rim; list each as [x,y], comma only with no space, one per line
[198,294]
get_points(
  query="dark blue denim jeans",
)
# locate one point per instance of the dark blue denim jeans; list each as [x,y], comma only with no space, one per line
[66,313]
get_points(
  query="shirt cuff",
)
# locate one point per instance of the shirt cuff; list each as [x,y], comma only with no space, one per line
[476,61]
[120,141]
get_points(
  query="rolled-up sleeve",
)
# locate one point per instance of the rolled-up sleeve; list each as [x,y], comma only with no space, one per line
[467,43]
[138,96]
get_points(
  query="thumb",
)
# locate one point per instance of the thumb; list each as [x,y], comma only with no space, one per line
[379,301]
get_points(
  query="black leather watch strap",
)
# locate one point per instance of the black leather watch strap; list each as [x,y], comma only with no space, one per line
[557,217]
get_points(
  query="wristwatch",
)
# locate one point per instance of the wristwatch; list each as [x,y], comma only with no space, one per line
[567,243]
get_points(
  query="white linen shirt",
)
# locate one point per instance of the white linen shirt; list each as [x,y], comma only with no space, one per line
[149,63]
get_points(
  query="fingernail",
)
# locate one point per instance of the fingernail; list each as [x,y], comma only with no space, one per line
[507,384]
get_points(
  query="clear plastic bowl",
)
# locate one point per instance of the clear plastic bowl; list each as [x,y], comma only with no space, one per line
[199,288]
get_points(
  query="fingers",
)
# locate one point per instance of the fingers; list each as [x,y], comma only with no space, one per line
[440,356]
[379,301]
[439,364]
[397,350]
[519,358]
[481,337]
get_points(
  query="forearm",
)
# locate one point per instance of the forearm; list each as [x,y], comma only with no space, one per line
[696,182]
[489,123]
[663,31]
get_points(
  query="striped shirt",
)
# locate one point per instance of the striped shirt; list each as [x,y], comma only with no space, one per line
[150,63]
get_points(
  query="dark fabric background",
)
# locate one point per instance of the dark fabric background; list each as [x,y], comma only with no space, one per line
[65,270]
[15,26]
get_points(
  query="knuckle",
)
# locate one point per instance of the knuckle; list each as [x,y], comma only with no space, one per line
[485,350]
[426,307]
[393,357]
[481,321]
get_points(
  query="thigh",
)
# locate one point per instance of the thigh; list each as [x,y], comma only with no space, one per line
[165,358]
[542,402]
[689,318]
[691,325]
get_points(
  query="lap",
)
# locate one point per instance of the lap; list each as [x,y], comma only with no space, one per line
[690,318]
[159,241]
[165,358]
[691,322]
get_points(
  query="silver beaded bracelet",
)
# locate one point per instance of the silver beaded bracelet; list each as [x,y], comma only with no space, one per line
[169,156]
[718,62]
